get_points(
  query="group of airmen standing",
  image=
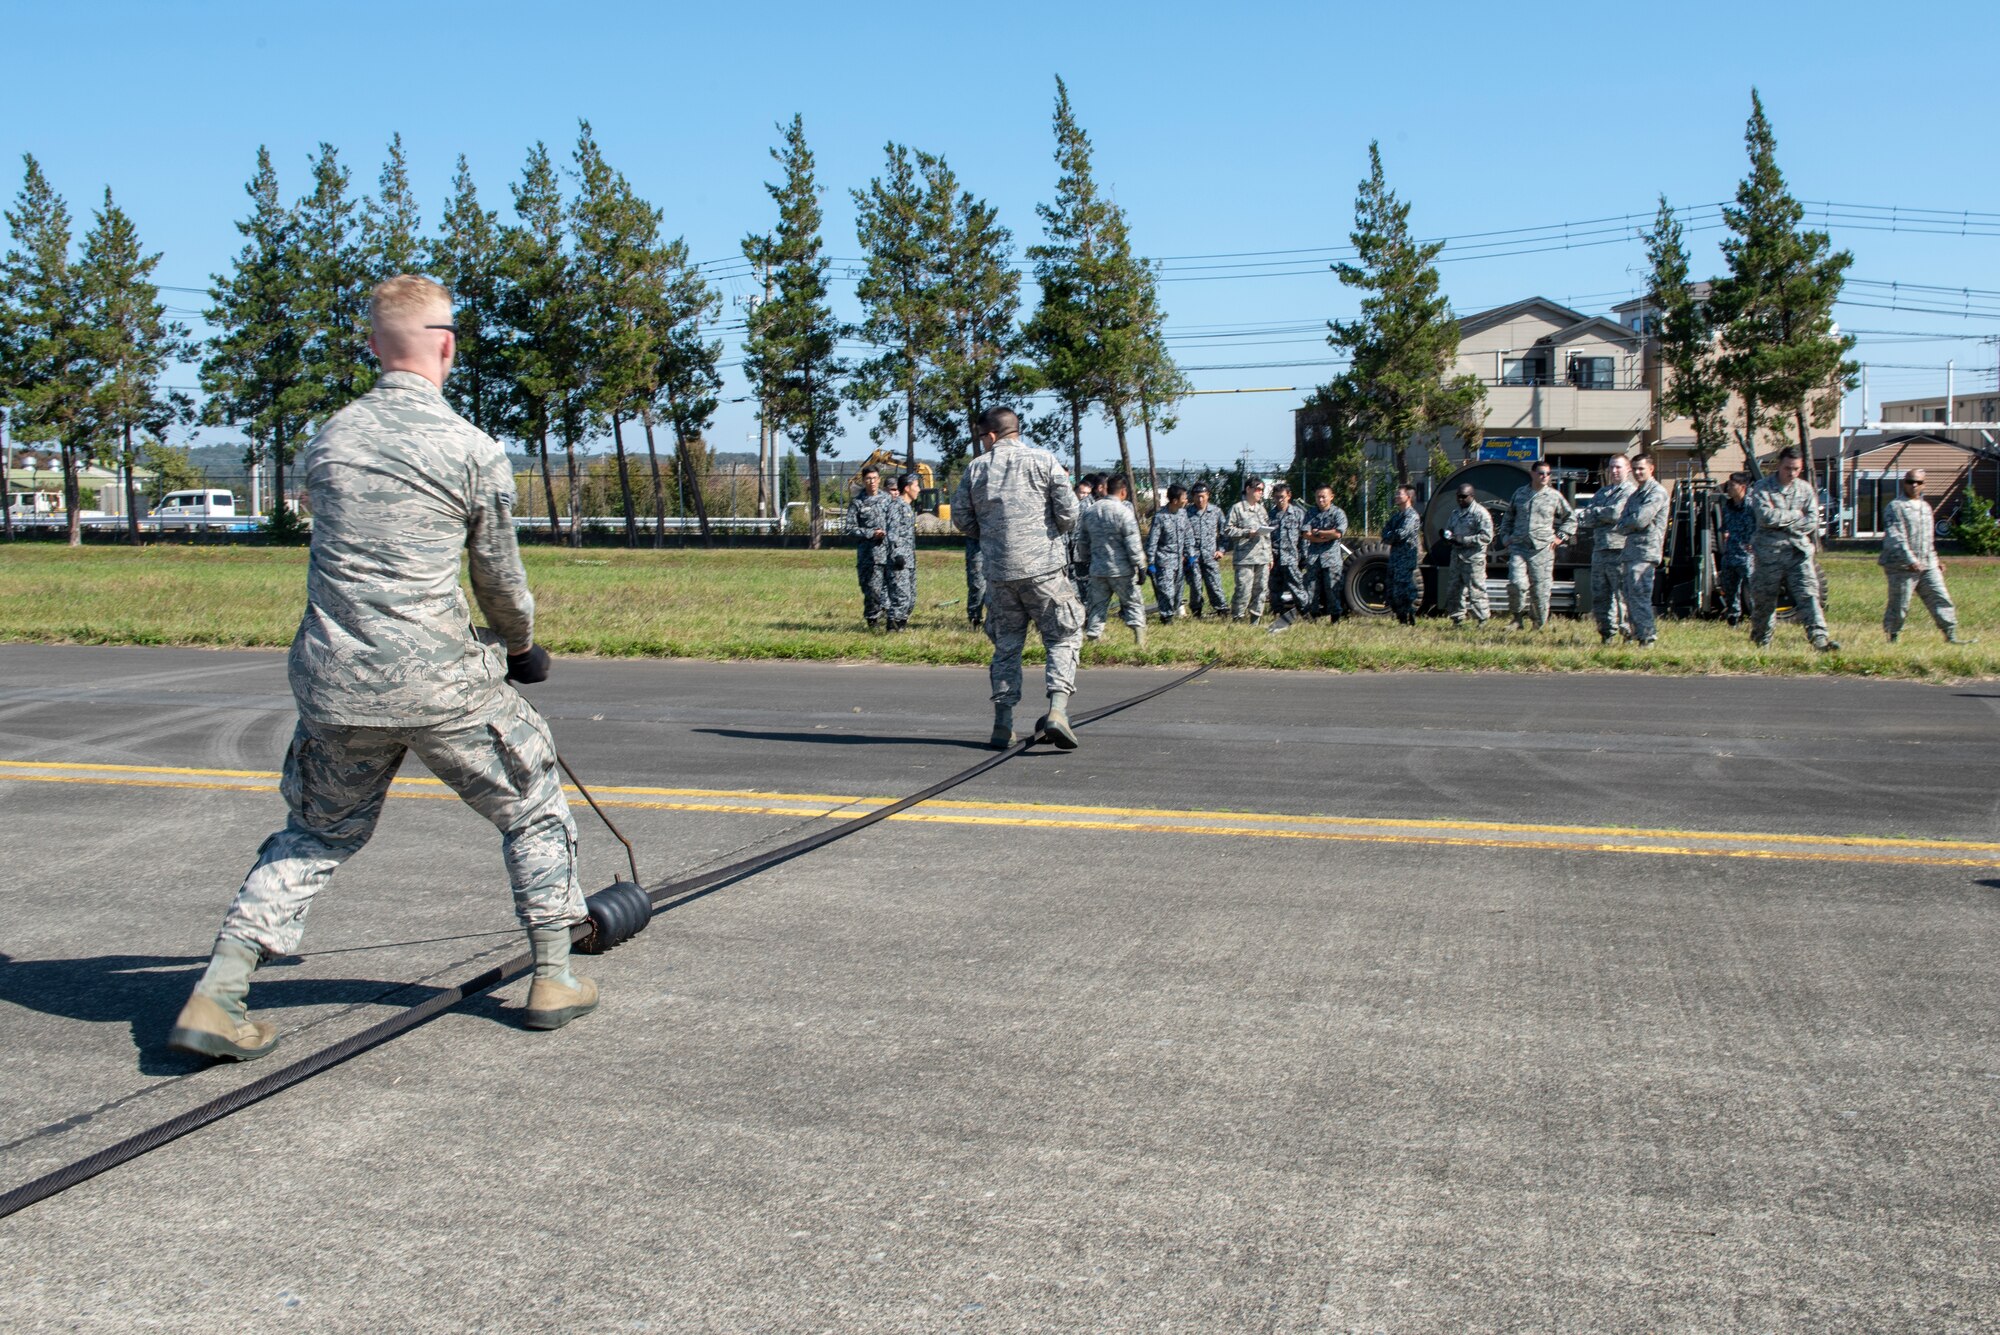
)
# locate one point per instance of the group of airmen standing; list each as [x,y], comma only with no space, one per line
[1290,558]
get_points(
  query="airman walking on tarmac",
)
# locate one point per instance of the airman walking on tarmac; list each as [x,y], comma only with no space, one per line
[1018,502]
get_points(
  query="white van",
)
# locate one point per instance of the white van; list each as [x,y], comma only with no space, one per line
[196,505]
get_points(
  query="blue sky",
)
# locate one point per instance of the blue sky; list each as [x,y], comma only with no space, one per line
[1221,130]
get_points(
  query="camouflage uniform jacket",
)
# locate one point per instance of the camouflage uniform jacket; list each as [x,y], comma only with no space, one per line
[865,514]
[1909,537]
[1787,515]
[1600,516]
[1290,524]
[1018,502]
[1469,530]
[1404,533]
[1079,541]
[1739,529]
[1325,553]
[1111,531]
[902,539]
[1247,529]
[1204,532]
[1643,521]
[1167,539]
[1537,520]
[399,486]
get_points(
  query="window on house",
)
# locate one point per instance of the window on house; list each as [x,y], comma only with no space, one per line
[1592,372]
[1524,371]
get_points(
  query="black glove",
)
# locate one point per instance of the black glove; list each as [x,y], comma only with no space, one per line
[529,666]
[897,562]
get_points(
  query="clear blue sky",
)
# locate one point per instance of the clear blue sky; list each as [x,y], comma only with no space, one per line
[1219,128]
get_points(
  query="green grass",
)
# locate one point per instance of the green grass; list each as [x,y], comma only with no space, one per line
[754,603]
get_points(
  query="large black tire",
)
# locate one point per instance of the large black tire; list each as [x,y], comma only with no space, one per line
[1364,581]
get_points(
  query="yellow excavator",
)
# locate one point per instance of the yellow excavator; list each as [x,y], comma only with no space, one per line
[891,467]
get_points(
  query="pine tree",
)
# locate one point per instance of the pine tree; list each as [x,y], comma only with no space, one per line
[980,294]
[1692,385]
[1398,383]
[1090,336]
[684,384]
[255,371]
[50,382]
[465,257]
[899,298]
[617,235]
[130,342]
[332,300]
[791,355]
[391,223]
[1780,349]
[535,301]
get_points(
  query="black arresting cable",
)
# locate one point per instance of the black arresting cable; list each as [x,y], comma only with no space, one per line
[613,911]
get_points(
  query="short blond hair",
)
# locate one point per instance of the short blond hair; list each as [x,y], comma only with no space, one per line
[395,300]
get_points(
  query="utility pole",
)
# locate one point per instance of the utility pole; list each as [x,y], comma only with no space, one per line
[1950,371]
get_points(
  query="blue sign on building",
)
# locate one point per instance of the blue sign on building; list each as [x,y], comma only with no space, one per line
[1519,449]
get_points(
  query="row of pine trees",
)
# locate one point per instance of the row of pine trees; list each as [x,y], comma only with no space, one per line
[580,319]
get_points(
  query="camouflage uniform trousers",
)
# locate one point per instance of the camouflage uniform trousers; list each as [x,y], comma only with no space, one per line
[1468,586]
[1049,601]
[1607,591]
[1734,573]
[1253,583]
[1287,588]
[1205,573]
[1929,586]
[1097,603]
[975,582]
[502,761]
[1636,587]
[873,572]
[1786,570]
[1529,578]
[1167,589]
[902,593]
[1406,590]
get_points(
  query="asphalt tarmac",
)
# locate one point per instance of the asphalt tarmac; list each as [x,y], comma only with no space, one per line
[1290,1002]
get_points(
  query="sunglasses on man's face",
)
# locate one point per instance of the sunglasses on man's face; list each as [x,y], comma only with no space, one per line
[448,328]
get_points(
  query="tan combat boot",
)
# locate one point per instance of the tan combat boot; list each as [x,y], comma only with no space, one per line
[557,996]
[1139,635]
[1055,727]
[1003,727]
[215,1023]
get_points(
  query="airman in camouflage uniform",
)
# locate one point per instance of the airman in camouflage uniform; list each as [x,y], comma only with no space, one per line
[1288,584]
[1467,534]
[1599,519]
[1787,522]
[1326,525]
[901,549]
[1018,502]
[1204,551]
[1909,560]
[1117,560]
[868,523]
[1643,522]
[1249,534]
[1539,520]
[1167,551]
[975,583]
[1079,545]
[1404,533]
[1739,542]
[386,662]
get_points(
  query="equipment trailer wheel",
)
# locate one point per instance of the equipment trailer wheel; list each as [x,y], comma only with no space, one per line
[1364,582]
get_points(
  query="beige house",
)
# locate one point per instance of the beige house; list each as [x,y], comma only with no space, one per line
[1573,389]
[1982,407]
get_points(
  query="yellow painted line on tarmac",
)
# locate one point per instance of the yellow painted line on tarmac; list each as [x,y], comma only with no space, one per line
[1140,813]
[1127,820]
